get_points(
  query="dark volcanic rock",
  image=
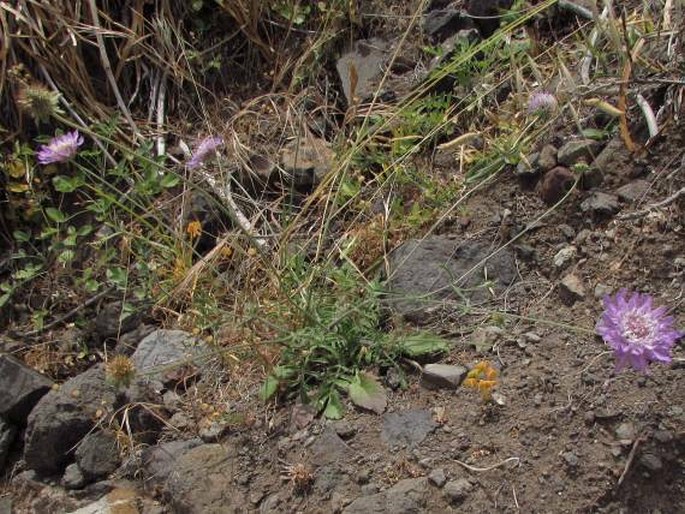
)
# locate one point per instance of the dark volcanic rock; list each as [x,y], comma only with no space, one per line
[202,482]
[408,427]
[20,389]
[160,461]
[63,417]
[440,24]
[486,14]
[98,455]
[7,434]
[367,58]
[423,273]
[555,184]
[405,497]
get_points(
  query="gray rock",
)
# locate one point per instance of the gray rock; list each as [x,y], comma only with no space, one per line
[344,429]
[306,161]
[626,431]
[651,462]
[571,289]
[407,496]
[437,477]
[591,177]
[571,459]
[328,448]
[20,389]
[63,417]
[202,481]
[599,203]
[424,273]
[565,256]
[98,455]
[548,158]
[485,338]
[163,352]
[367,58]
[408,427]
[633,190]
[567,231]
[159,461]
[73,478]
[573,151]
[113,320]
[612,157]
[6,505]
[7,434]
[440,24]
[442,376]
[456,491]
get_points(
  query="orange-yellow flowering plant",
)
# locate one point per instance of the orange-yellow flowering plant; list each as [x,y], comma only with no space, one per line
[482,377]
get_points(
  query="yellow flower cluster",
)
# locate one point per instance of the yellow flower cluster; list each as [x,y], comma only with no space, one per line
[482,377]
[194,229]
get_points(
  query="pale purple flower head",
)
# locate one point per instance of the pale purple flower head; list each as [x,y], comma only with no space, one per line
[542,103]
[637,332]
[61,148]
[204,151]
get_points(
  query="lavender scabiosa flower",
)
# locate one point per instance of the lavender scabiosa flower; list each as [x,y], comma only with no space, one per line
[60,148]
[204,151]
[542,103]
[637,332]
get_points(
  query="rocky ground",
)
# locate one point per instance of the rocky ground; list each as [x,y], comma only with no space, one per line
[565,433]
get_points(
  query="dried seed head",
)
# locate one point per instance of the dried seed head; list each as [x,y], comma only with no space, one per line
[39,102]
[121,371]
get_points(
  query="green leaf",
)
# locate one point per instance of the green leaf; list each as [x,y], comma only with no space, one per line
[85,230]
[169,180]
[28,272]
[334,407]
[21,236]
[422,343]
[66,256]
[5,298]
[269,388]
[367,393]
[117,276]
[66,184]
[55,215]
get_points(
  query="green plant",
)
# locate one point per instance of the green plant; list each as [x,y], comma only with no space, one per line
[336,337]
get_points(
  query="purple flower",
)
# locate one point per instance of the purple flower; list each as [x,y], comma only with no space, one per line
[204,151]
[542,103]
[637,332]
[61,148]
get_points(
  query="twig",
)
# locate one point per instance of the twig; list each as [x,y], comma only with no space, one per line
[65,317]
[225,193]
[516,502]
[108,67]
[161,99]
[663,203]
[499,464]
[631,457]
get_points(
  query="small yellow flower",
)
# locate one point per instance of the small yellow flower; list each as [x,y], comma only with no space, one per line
[482,377]
[194,229]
